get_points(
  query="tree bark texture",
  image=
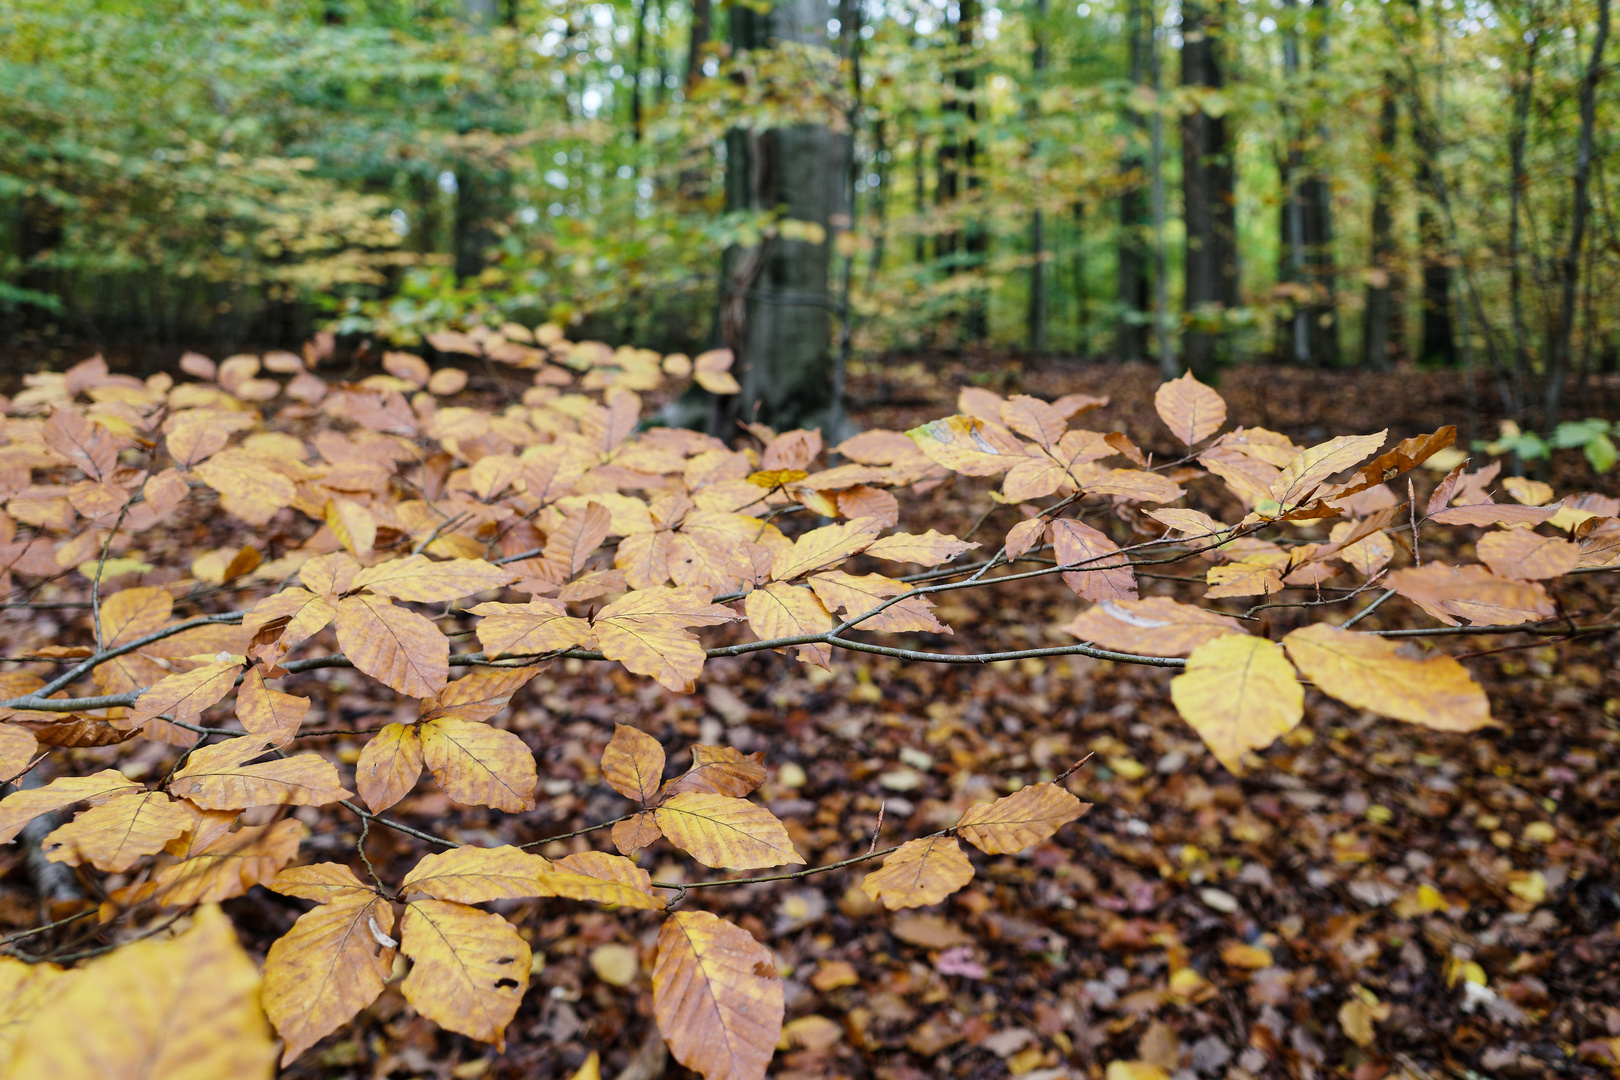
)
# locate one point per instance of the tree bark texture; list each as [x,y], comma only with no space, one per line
[1381,341]
[1209,207]
[1135,220]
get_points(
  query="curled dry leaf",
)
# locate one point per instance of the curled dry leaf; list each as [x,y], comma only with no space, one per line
[1239,693]
[920,872]
[1027,817]
[114,835]
[21,807]
[1157,626]
[1370,673]
[718,1001]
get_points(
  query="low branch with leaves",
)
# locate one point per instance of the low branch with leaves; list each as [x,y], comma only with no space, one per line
[560,529]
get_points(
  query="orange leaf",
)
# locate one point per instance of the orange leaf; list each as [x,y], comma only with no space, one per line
[1021,820]
[1192,411]
[479,765]
[717,998]
[720,831]
[398,648]
[389,766]
[633,763]
[918,873]
[1154,627]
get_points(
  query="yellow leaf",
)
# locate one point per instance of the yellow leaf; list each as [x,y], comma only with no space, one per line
[420,580]
[1528,492]
[644,631]
[616,965]
[479,765]
[720,831]
[921,872]
[633,763]
[573,542]
[591,1069]
[24,988]
[1192,411]
[929,549]
[542,625]
[132,613]
[329,966]
[1134,1070]
[249,484]
[324,883]
[969,445]
[718,1001]
[388,767]
[270,713]
[1310,467]
[469,968]
[1021,820]
[352,524]
[857,595]
[474,875]
[778,611]
[17,749]
[1357,1021]
[185,1008]
[602,878]
[1259,575]
[720,770]
[1368,672]
[186,695]
[214,777]
[1239,693]
[21,807]
[1157,626]
[478,696]
[1250,957]
[328,575]
[1529,556]
[823,547]
[229,865]
[115,834]
[398,648]
[1530,887]
[299,612]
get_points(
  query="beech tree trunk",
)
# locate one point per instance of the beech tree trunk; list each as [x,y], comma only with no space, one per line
[1380,339]
[776,309]
[1130,339]
[1209,207]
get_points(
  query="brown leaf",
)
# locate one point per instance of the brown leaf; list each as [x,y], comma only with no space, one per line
[920,872]
[214,777]
[475,875]
[721,831]
[478,696]
[719,770]
[1021,820]
[1494,514]
[418,579]
[1473,593]
[1104,573]
[185,696]
[601,878]
[929,549]
[398,648]
[633,763]
[389,766]
[639,832]
[779,610]
[1157,626]
[114,835]
[479,765]
[1192,411]
[824,547]
[1528,556]
[541,626]
[21,807]
[719,1014]
[578,537]
[267,712]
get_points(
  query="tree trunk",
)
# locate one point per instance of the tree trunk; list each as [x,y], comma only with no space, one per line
[777,307]
[1439,342]
[700,38]
[1569,264]
[1037,241]
[1130,340]
[1207,191]
[975,322]
[1380,342]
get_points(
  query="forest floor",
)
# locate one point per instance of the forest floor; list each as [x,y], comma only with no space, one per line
[1335,906]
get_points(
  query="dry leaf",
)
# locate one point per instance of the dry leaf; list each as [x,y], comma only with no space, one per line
[779,610]
[1105,573]
[969,445]
[21,807]
[389,766]
[398,648]
[1192,411]
[214,777]
[228,864]
[721,831]
[1528,556]
[1021,820]
[479,765]
[1157,626]
[1368,672]
[1239,693]
[918,873]
[469,968]
[718,1001]
[418,579]
[1309,468]
[541,626]
[1473,593]
[119,832]
[474,875]
[633,763]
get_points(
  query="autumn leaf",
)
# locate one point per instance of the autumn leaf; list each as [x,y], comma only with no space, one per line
[1021,820]
[420,580]
[132,613]
[479,765]
[479,696]
[184,1007]
[1104,573]
[214,777]
[267,712]
[1257,575]
[969,445]
[469,968]
[114,835]
[21,807]
[398,648]
[1157,626]
[17,749]
[1504,514]
[719,770]
[638,832]
[602,878]
[1136,485]
[185,696]
[1239,693]
[474,875]
[297,612]
[930,549]
[229,864]
[541,626]
[1528,556]
[721,831]
[633,763]
[1310,467]
[388,766]
[645,631]
[578,537]
[778,610]
[856,595]
[918,873]
[329,575]
[716,996]
[249,486]
[1471,592]
[331,964]
[823,547]
[1033,419]
[1368,672]
[1192,411]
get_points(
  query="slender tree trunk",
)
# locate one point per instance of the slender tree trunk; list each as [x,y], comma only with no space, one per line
[1317,196]
[1130,340]
[919,187]
[1161,272]
[1569,264]
[976,238]
[1380,345]
[1037,242]
[1518,135]
[640,66]
[880,199]
[1207,185]
[700,31]
[1439,342]
[1295,339]
[776,311]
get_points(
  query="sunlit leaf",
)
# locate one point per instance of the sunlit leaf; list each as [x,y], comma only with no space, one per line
[721,831]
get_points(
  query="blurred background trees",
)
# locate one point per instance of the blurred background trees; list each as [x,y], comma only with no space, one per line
[817,182]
